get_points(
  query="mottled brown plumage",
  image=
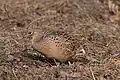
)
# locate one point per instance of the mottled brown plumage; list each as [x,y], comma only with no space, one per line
[55,44]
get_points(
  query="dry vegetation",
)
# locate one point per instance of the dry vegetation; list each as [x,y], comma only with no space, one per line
[87,20]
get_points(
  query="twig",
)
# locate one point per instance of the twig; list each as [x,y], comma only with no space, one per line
[48,63]
[6,11]
[14,74]
[108,43]
[42,17]
[92,73]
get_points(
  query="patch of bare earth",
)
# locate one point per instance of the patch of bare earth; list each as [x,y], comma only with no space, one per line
[86,20]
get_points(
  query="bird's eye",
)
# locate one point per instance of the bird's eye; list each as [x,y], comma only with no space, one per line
[56,38]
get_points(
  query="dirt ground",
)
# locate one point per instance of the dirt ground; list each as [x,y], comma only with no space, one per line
[86,20]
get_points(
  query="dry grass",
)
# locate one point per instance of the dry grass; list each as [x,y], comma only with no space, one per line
[87,20]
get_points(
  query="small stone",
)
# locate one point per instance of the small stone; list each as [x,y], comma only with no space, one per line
[10,58]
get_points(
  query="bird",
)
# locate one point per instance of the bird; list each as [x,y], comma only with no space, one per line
[57,45]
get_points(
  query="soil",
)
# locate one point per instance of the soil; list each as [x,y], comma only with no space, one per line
[86,20]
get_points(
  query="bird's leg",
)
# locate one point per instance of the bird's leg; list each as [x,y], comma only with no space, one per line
[69,63]
[57,63]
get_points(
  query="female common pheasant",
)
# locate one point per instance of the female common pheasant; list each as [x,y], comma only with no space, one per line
[55,44]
